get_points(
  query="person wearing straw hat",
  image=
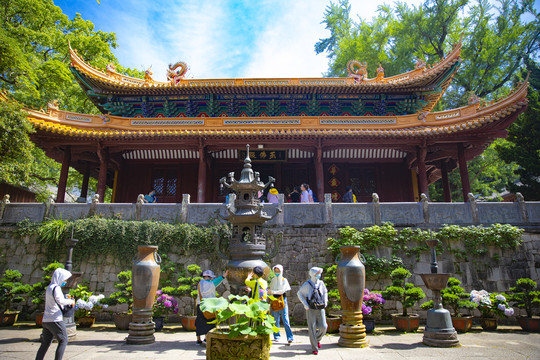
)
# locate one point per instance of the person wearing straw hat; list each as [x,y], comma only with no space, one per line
[272,196]
[206,289]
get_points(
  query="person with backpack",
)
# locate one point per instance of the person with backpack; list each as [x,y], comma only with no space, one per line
[257,284]
[53,320]
[280,309]
[314,296]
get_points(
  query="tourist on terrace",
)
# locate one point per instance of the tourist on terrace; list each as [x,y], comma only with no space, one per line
[53,320]
[206,289]
[295,195]
[272,196]
[258,285]
[305,196]
[314,296]
[150,197]
[280,309]
[349,196]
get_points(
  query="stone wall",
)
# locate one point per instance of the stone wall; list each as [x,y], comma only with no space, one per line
[302,248]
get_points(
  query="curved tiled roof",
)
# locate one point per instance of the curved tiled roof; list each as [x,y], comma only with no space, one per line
[466,119]
[434,80]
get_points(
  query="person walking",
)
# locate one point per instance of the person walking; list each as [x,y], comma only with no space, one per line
[314,296]
[305,196]
[295,195]
[279,307]
[349,195]
[257,284]
[53,321]
[206,289]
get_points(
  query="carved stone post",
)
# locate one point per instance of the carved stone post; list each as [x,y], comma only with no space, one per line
[376,209]
[474,208]
[5,201]
[185,206]
[522,207]
[422,173]
[328,208]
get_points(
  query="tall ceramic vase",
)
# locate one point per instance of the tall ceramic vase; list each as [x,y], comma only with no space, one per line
[145,279]
[351,280]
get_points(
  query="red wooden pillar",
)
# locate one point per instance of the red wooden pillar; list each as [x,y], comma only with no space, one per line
[319,173]
[422,173]
[103,154]
[463,172]
[86,178]
[201,185]
[62,182]
[445,182]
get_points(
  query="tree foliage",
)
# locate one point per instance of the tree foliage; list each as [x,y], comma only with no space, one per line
[495,40]
[34,70]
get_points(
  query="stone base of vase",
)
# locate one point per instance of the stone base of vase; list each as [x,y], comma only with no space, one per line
[439,331]
[141,330]
[353,336]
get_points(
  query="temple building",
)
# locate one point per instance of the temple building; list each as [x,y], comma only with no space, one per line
[181,136]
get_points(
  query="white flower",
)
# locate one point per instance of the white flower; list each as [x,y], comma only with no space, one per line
[509,312]
[93,299]
[501,307]
[500,298]
[486,301]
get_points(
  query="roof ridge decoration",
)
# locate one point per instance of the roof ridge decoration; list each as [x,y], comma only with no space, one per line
[175,77]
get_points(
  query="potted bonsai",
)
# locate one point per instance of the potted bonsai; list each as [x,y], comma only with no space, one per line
[123,295]
[455,298]
[37,293]
[11,288]
[163,305]
[490,306]
[86,304]
[188,282]
[333,318]
[249,327]
[525,295]
[407,294]
[372,304]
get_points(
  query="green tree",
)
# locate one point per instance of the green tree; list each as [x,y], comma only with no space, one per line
[523,145]
[34,70]
[495,40]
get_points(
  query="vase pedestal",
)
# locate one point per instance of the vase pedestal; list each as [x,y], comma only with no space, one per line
[142,328]
[439,331]
[352,332]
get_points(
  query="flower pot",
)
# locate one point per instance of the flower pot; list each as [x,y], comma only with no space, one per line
[122,320]
[8,319]
[462,323]
[39,319]
[489,324]
[87,321]
[188,322]
[406,323]
[158,321]
[369,324]
[333,322]
[221,347]
[529,324]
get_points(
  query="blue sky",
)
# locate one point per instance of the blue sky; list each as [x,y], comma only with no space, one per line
[217,38]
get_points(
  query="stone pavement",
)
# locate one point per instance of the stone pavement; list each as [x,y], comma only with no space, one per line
[103,341]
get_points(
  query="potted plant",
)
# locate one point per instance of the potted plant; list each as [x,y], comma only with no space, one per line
[333,318]
[490,306]
[407,294]
[188,282]
[525,295]
[373,303]
[455,298]
[86,303]
[37,293]
[123,295]
[249,327]
[163,305]
[10,290]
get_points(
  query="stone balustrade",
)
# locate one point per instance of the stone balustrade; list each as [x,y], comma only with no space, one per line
[421,214]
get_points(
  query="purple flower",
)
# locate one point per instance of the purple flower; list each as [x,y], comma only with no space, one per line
[167,303]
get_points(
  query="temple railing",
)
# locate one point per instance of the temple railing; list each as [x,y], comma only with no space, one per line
[419,214]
